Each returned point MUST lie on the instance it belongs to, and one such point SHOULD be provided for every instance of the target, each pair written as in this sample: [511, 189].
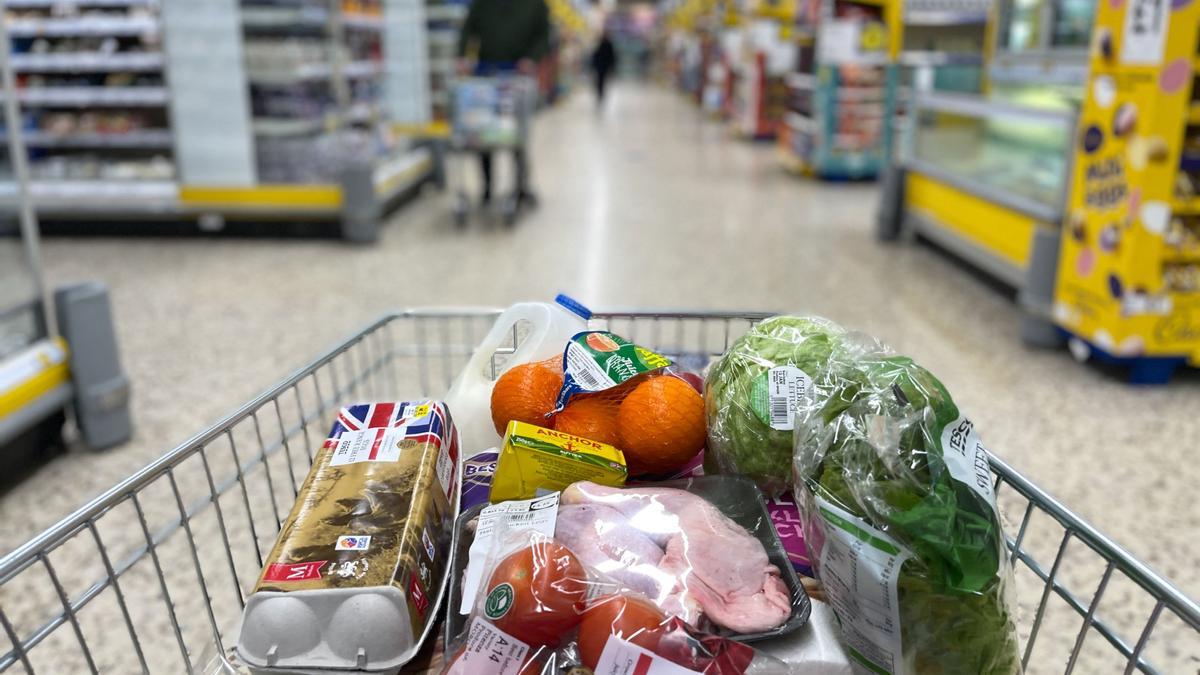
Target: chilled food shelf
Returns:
[87, 62]
[362, 69]
[446, 12]
[800, 123]
[313, 71]
[443, 37]
[282, 126]
[301, 73]
[53, 4]
[94, 189]
[105, 26]
[801, 80]
[936, 17]
[149, 139]
[267, 17]
[361, 21]
[93, 96]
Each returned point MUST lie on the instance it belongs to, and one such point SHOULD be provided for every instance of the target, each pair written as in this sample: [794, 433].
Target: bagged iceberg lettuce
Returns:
[897, 507]
[753, 391]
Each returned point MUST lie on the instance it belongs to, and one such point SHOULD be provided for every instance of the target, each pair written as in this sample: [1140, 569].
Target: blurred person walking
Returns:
[507, 37]
[604, 61]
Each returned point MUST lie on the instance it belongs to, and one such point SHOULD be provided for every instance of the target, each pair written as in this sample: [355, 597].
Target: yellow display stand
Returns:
[1129, 265]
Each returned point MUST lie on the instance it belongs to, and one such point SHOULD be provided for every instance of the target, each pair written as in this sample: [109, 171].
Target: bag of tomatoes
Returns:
[541, 612]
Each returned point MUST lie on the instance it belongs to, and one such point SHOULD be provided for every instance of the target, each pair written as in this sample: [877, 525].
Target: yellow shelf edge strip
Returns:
[303, 196]
[41, 369]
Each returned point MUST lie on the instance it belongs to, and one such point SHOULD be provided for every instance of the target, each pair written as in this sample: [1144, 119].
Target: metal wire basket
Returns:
[152, 575]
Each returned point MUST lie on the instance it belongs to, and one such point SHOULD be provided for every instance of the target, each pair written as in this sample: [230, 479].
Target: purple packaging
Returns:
[477, 472]
[785, 516]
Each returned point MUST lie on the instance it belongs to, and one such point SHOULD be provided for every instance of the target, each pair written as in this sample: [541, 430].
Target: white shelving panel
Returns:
[406, 85]
[77, 120]
[150, 139]
[94, 26]
[83, 97]
[49, 4]
[88, 62]
[201, 117]
[214, 143]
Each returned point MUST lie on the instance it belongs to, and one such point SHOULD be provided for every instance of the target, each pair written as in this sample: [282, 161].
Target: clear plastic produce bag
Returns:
[541, 611]
[899, 514]
[703, 549]
[753, 391]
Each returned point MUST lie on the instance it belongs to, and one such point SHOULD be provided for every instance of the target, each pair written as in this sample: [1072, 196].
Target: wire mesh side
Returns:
[171, 554]
[153, 575]
[1084, 604]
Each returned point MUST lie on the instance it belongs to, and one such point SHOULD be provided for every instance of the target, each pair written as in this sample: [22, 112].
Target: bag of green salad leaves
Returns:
[753, 391]
[898, 511]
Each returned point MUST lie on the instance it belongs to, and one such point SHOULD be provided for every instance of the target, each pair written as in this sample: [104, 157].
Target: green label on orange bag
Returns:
[595, 361]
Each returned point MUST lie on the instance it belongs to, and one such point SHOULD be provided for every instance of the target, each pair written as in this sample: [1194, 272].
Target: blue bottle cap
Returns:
[573, 305]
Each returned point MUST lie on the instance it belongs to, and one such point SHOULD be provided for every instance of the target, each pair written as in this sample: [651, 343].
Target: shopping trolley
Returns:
[152, 575]
[488, 114]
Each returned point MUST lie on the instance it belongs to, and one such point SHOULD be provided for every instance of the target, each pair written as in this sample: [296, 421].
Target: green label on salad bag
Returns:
[597, 360]
[777, 393]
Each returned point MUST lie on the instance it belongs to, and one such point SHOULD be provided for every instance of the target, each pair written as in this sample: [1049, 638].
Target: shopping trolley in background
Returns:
[488, 114]
[153, 574]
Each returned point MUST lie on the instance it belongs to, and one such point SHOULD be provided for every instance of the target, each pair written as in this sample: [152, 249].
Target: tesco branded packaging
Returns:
[702, 549]
[542, 609]
[357, 573]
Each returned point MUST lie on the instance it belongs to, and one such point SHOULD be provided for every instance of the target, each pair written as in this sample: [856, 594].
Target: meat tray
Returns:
[735, 496]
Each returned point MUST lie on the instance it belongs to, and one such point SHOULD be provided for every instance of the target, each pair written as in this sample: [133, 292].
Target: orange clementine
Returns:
[591, 417]
[662, 425]
[525, 393]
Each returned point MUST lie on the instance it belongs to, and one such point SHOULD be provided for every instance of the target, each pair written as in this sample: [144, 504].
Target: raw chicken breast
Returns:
[603, 540]
[716, 563]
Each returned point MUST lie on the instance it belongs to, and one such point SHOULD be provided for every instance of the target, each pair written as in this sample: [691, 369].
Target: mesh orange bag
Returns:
[607, 389]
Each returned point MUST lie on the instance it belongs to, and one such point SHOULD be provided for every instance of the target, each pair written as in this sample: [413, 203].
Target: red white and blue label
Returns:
[353, 543]
[373, 432]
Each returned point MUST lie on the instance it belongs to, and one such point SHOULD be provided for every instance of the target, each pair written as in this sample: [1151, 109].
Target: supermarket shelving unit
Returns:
[843, 90]
[55, 356]
[756, 94]
[308, 93]
[1077, 187]
[93, 102]
[445, 20]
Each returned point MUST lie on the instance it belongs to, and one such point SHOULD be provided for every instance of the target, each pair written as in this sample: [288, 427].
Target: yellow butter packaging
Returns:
[533, 458]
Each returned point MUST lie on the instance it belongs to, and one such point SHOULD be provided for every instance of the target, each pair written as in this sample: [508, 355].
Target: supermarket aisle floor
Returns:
[647, 205]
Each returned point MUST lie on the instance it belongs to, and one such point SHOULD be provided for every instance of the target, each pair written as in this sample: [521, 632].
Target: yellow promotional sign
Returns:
[1129, 265]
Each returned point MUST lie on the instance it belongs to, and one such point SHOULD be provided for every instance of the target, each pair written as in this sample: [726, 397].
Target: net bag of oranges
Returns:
[609, 390]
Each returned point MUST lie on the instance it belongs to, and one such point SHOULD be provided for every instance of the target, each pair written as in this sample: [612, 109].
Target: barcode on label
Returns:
[521, 517]
[587, 379]
[779, 412]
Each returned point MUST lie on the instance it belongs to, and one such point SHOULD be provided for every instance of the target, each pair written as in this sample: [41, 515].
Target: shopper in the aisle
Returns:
[604, 60]
[504, 37]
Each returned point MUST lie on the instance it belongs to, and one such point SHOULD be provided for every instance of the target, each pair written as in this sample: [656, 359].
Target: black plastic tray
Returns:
[735, 496]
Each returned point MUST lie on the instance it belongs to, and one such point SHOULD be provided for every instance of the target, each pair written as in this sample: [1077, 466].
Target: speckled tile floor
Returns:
[647, 205]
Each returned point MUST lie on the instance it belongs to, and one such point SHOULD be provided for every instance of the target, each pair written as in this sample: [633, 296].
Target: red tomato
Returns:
[537, 594]
[620, 615]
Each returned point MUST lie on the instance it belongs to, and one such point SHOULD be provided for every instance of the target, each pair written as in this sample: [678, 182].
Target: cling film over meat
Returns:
[373, 516]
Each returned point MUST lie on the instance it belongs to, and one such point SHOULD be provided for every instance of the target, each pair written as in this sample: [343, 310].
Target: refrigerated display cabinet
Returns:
[1075, 179]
